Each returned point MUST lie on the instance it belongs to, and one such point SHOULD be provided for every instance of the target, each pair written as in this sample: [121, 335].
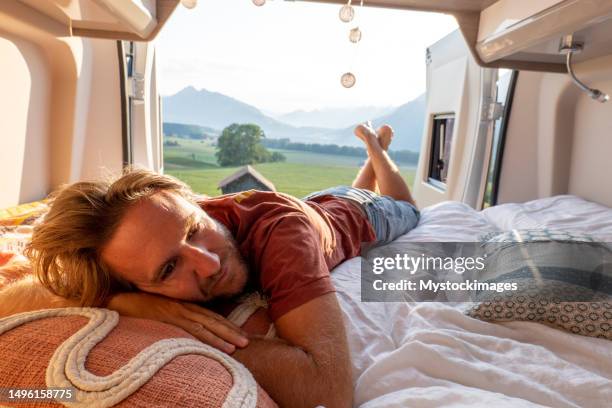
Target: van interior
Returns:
[517, 133]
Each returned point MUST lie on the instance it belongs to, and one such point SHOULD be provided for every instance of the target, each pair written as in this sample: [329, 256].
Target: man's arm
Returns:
[312, 365]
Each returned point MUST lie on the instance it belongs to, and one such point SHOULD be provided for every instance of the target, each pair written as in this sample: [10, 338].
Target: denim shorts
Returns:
[390, 218]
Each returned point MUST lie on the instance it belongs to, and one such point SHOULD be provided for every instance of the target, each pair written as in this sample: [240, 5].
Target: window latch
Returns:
[137, 90]
[495, 111]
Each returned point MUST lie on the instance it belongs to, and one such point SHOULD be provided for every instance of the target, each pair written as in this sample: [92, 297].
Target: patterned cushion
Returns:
[24, 214]
[14, 238]
[534, 304]
[13, 267]
[16, 225]
[530, 235]
[564, 280]
[186, 380]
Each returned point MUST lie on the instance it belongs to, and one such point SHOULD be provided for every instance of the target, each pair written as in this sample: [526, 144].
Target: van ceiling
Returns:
[135, 20]
[423, 5]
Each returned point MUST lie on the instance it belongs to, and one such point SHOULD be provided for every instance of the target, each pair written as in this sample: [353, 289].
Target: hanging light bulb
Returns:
[348, 80]
[259, 3]
[355, 35]
[347, 12]
[189, 3]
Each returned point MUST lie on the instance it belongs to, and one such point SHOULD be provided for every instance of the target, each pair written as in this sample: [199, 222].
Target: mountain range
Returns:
[333, 118]
[215, 110]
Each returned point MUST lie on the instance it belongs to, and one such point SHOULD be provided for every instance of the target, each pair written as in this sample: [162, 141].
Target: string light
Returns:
[347, 12]
[355, 35]
[189, 3]
[348, 80]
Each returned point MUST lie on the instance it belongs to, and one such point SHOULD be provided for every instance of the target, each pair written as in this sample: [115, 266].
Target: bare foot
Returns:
[385, 136]
[365, 132]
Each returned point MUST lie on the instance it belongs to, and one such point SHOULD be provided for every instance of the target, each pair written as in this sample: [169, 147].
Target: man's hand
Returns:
[207, 326]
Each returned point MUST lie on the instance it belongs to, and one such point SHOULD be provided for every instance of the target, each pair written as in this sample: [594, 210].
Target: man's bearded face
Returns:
[166, 245]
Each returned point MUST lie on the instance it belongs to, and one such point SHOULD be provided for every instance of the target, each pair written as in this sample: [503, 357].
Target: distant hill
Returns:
[333, 117]
[214, 111]
[407, 121]
[189, 131]
[210, 109]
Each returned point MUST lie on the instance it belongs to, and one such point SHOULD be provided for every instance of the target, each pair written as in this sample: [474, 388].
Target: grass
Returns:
[198, 153]
[310, 158]
[303, 172]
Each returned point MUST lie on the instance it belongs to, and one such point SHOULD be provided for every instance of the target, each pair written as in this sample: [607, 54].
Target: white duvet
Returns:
[432, 355]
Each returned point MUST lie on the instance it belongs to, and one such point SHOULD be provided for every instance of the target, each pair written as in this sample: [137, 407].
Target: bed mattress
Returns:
[433, 355]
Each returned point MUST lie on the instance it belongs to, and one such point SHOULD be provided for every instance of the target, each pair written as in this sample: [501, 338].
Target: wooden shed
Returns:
[247, 178]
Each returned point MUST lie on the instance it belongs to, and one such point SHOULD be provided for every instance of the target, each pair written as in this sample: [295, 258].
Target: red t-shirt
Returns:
[291, 245]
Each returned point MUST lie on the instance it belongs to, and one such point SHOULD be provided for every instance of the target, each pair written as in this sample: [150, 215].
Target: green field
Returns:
[304, 172]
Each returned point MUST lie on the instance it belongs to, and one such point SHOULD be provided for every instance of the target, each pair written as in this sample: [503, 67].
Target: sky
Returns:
[290, 55]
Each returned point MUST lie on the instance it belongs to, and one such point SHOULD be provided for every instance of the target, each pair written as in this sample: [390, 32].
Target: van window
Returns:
[441, 145]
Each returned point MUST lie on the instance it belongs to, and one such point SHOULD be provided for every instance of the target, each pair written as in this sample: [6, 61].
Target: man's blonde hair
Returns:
[65, 247]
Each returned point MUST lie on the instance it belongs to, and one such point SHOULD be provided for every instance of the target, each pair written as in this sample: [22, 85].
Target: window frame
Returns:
[126, 105]
[434, 140]
[495, 170]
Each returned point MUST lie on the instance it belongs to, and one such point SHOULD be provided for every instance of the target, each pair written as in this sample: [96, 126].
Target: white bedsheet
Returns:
[432, 355]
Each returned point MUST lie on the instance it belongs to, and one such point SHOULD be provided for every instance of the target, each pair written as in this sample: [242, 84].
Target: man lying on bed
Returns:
[149, 231]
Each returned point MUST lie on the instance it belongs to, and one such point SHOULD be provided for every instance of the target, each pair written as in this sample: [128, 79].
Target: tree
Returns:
[241, 144]
[237, 145]
[277, 157]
